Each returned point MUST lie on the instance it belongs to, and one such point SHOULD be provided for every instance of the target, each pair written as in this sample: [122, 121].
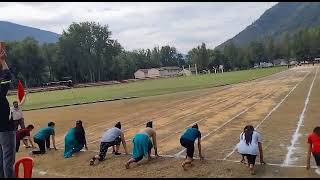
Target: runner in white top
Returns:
[112, 137]
[111, 134]
[250, 146]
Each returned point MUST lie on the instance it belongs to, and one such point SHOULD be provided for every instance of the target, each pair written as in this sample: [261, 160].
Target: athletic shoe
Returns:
[317, 171]
[92, 162]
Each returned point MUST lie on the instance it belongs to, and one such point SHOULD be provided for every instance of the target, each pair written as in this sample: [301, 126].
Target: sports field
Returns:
[141, 88]
[283, 107]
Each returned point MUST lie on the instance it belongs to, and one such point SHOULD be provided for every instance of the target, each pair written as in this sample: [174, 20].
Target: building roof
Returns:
[170, 68]
[143, 70]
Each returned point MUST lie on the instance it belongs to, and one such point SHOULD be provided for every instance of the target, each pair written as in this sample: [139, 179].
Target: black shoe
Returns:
[116, 153]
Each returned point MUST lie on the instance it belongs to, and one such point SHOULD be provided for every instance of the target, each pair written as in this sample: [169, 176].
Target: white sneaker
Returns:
[317, 171]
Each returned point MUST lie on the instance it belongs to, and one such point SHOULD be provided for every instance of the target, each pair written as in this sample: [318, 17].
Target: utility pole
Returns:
[183, 72]
[195, 66]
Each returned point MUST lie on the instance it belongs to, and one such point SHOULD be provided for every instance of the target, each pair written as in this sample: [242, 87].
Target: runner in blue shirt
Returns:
[42, 138]
[187, 140]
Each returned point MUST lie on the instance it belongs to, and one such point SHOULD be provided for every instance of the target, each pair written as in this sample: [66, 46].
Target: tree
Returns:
[50, 55]
[231, 54]
[87, 50]
[123, 66]
[285, 46]
[27, 62]
[270, 49]
[199, 56]
[169, 56]
[257, 52]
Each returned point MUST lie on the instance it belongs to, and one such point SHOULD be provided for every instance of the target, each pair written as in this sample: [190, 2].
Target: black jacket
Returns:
[6, 124]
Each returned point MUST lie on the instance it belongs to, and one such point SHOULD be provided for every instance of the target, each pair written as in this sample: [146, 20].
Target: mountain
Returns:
[282, 17]
[15, 32]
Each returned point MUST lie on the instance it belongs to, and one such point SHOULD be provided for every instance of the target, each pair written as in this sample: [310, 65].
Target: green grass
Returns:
[141, 88]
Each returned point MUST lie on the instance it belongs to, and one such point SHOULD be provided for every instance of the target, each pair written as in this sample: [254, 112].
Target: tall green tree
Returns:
[87, 50]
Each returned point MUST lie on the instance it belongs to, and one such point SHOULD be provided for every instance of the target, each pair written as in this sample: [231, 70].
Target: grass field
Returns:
[142, 88]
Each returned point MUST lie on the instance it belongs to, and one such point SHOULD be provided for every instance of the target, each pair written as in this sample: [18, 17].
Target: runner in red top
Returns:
[314, 147]
[22, 134]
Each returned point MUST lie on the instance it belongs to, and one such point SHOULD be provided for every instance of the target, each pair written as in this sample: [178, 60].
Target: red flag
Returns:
[21, 93]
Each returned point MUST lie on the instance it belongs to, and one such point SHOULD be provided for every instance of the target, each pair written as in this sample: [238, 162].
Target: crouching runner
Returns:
[75, 140]
[142, 144]
[187, 140]
[112, 137]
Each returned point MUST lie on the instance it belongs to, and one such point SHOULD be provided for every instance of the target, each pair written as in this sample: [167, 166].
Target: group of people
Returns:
[250, 145]
[75, 141]
[144, 141]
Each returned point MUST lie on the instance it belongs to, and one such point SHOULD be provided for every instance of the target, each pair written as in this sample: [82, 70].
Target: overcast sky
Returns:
[144, 24]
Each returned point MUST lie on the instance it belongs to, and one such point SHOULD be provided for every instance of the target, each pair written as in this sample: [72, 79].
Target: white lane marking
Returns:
[227, 122]
[174, 156]
[274, 109]
[295, 137]
[210, 106]
[157, 113]
[200, 120]
[226, 87]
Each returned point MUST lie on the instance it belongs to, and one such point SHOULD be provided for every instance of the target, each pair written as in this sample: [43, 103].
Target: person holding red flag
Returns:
[16, 112]
[7, 133]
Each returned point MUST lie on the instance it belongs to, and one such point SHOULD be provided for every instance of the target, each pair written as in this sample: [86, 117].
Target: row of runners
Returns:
[249, 146]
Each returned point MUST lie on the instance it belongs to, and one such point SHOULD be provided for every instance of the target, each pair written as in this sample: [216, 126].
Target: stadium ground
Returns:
[280, 106]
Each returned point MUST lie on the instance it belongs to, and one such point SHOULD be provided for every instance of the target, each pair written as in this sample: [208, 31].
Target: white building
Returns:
[147, 73]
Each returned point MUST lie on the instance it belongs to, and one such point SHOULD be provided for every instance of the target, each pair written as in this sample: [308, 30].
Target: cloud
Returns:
[144, 24]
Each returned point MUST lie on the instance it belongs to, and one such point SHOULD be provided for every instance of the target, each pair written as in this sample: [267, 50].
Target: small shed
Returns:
[141, 74]
[147, 73]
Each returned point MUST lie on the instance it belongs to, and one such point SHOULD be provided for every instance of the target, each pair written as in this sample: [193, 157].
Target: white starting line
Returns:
[182, 157]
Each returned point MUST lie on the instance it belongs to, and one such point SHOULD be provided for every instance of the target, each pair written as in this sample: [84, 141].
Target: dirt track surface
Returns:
[221, 114]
